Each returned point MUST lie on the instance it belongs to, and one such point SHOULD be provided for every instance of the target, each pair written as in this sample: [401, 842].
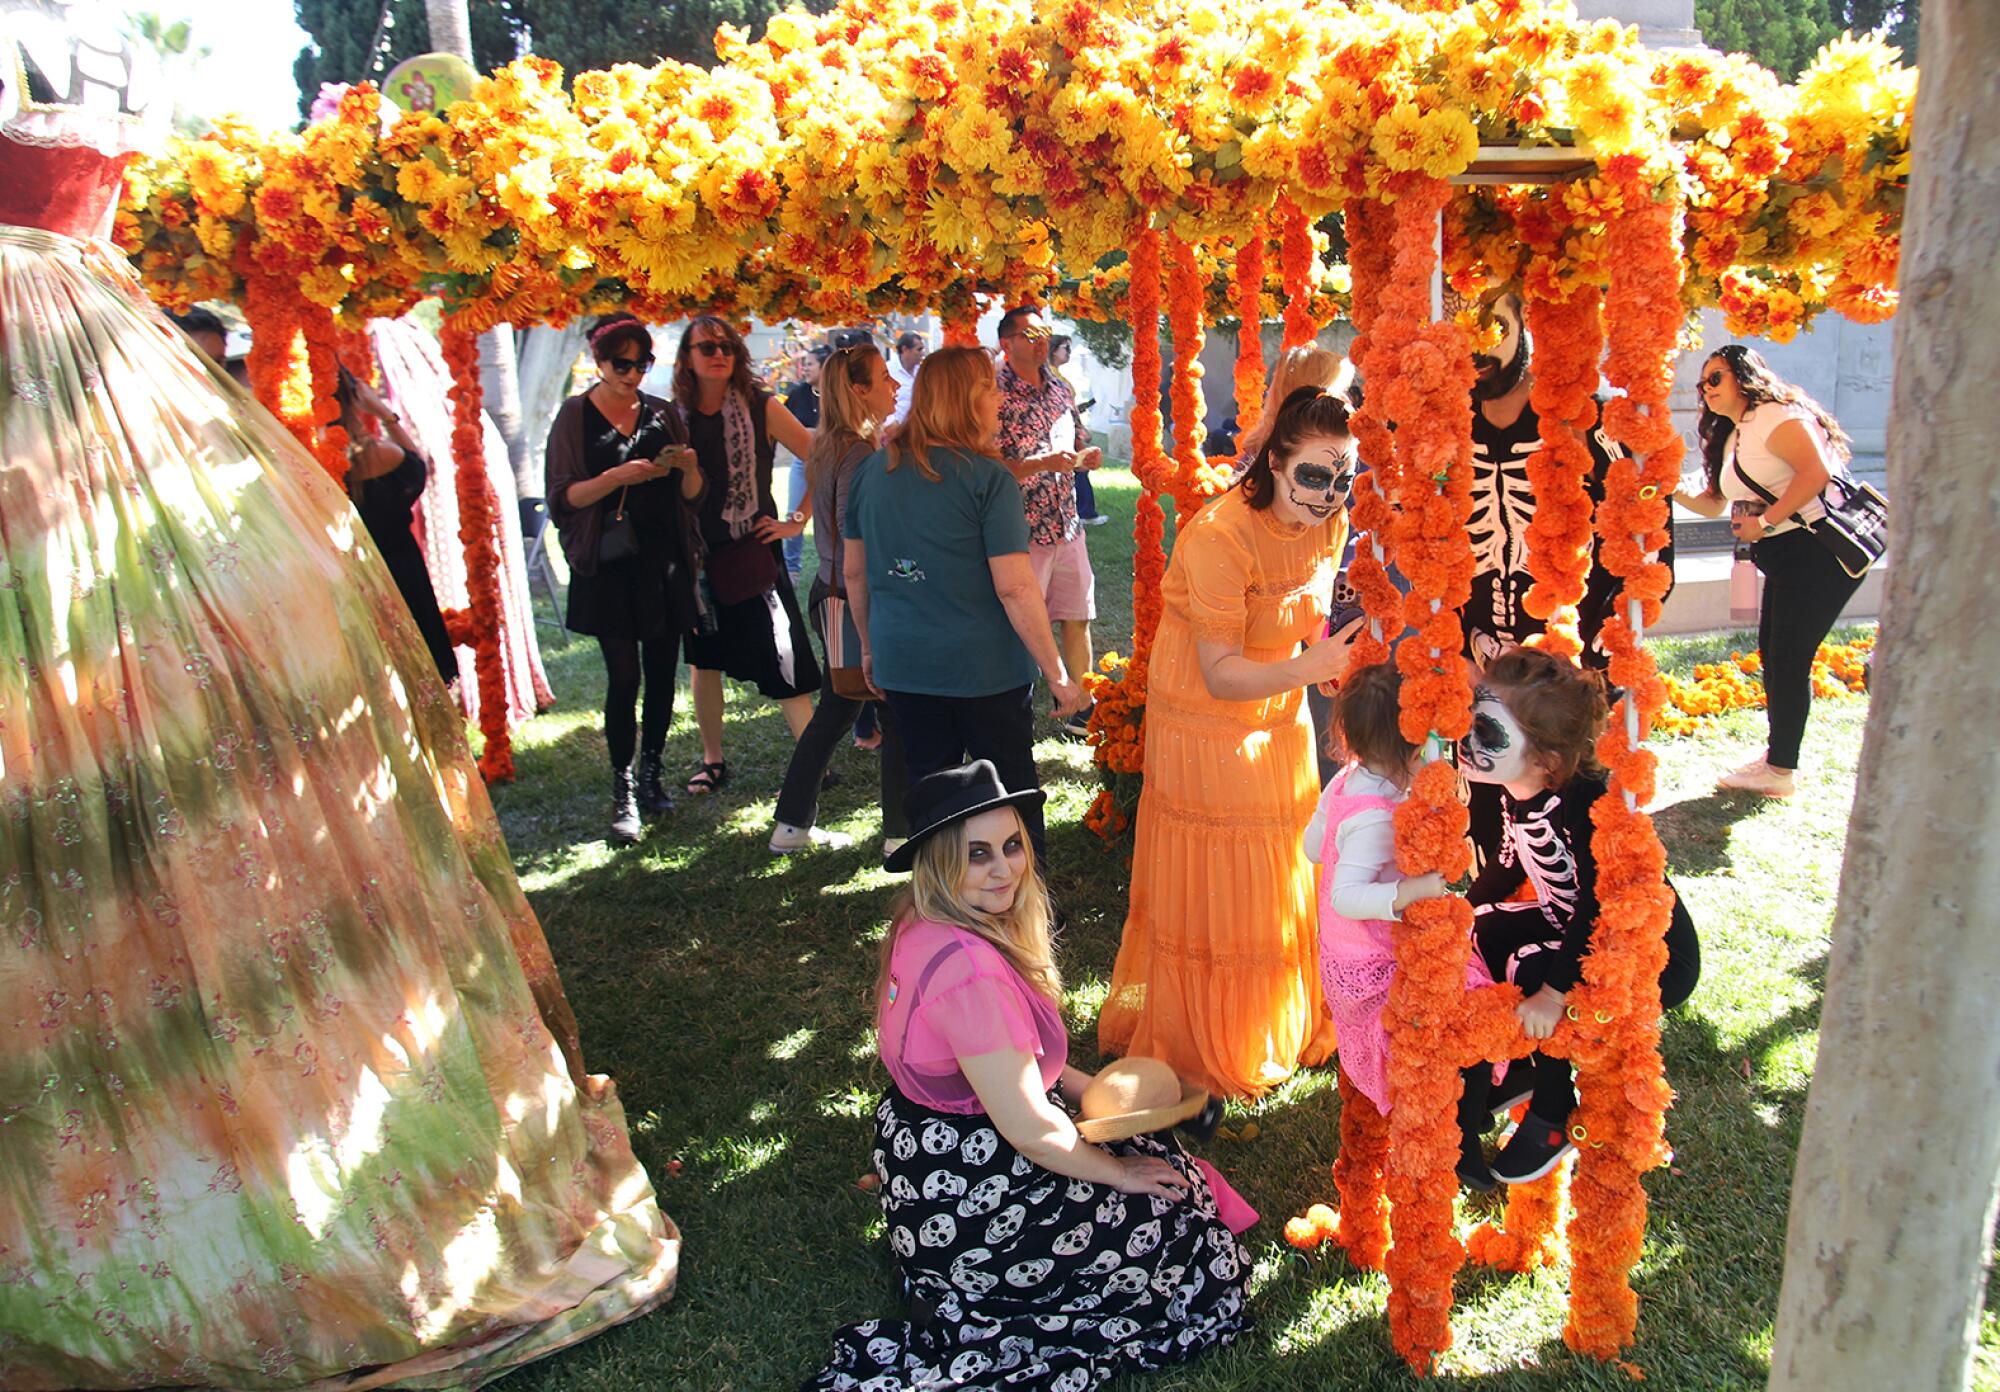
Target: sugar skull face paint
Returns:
[1495, 750]
[1317, 477]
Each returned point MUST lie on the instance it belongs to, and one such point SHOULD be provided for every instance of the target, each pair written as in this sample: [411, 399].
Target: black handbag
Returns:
[620, 539]
[1855, 529]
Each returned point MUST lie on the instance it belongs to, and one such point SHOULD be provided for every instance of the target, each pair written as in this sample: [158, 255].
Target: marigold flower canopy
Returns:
[904, 154]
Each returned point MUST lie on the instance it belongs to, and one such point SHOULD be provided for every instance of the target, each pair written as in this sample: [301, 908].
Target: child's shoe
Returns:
[1536, 1147]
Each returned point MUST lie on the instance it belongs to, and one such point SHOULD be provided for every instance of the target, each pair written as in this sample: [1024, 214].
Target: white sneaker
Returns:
[786, 838]
[1759, 777]
[1752, 765]
[893, 844]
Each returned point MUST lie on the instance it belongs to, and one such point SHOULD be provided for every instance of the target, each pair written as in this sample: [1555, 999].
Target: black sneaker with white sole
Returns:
[1517, 1087]
[1536, 1147]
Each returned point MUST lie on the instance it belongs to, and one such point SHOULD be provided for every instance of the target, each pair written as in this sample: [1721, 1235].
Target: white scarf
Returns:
[739, 439]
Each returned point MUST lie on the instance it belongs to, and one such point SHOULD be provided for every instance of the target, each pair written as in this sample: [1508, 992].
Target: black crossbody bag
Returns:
[1856, 526]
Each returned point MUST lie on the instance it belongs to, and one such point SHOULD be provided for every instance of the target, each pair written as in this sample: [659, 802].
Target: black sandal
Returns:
[707, 778]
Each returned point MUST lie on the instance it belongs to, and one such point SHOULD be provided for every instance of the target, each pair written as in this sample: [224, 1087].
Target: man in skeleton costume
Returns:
[1505, 433]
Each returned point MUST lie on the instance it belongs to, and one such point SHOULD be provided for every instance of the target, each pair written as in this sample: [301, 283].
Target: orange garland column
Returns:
[1150, 463]
[478, 625]
[322, 341]
[280, 373]
[1622, 1096]
[1185, 293]
[1295, 264]
[1249, 285]
[1424, 381]
[1569, 341]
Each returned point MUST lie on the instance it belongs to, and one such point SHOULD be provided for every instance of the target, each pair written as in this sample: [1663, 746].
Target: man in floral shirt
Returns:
[1038, 438]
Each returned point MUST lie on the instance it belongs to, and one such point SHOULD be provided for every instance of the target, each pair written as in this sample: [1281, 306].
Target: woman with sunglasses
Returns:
[1218, 970]
[620, 483]
[856, 394]
[1769, 451]
[753, 631]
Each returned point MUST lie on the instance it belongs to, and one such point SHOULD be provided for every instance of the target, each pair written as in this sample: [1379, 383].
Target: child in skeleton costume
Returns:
[1505, 433]
[1535, 723]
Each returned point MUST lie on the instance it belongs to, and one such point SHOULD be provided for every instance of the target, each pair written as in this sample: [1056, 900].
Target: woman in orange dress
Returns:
[1218, 970]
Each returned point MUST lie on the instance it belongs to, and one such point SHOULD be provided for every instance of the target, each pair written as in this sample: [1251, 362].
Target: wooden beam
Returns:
[1540, 164]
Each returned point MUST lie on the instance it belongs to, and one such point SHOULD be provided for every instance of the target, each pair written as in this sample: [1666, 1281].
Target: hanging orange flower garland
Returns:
[1569, 341]
[280, 374]
[1422, 373]
[1250, 378]
[478, 624]
[1193, 481]
[1371, 253]
[1295, 265]
[1622, 1095]
[1119, 690]
[329, 438]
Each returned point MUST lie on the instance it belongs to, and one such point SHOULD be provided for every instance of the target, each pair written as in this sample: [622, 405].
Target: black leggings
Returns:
[1805, 589]
[626, 660]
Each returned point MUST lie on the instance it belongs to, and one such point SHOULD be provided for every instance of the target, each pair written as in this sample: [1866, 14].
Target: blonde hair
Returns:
[844, 421]
[1308, 365]
[1022, 934]
[943, 413]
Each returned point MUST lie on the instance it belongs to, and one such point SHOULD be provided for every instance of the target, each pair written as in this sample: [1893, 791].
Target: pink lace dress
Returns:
[1357, 957]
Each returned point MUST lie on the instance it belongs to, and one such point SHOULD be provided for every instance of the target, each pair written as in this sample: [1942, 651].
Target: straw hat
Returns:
[1134, 1096]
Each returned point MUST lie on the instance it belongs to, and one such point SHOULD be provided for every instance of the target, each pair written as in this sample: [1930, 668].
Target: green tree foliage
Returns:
[341, 31]
[585, 34]
[1784, 35]
[578, 34]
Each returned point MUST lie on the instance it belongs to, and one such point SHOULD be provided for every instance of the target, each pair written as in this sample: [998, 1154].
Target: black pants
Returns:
[1805, 589]
[626, 661]
[1507, 940]
[833, 717]
[941, 732]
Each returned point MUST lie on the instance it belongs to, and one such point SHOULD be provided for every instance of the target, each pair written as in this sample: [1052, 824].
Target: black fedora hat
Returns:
[951, 795]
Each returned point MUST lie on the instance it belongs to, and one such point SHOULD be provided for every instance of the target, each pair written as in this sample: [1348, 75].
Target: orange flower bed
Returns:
[1839, 670]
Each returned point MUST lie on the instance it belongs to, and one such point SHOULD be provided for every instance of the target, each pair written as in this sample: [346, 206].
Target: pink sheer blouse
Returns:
[952, 995]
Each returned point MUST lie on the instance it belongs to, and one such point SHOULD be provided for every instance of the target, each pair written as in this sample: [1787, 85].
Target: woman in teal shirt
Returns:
[953, 628]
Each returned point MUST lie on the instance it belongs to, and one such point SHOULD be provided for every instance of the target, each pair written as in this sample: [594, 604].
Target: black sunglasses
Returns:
[714, 348]
[631, 364]
[1714, 379]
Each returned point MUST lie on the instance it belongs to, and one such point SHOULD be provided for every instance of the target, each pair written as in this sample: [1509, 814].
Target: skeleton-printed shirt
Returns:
[1503, 505]
[1545, 844]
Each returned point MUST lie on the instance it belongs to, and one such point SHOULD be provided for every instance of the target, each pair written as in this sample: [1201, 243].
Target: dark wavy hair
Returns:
[1306, 413]
[1560, 707]
[1367, 719]
[1759, 385]
[743, 381]
[613, 331]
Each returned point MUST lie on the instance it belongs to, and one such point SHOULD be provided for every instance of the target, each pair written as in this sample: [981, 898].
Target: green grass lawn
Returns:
[727, 991]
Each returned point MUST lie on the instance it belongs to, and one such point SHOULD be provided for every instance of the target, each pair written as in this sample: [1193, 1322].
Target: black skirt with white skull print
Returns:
[1022, 1278]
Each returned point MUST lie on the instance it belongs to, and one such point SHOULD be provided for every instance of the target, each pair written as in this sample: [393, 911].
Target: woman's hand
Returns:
[1748, 526]
[1089, 458]
[636, 471]
[370, 403]
[1541, 1013]
[868, 673]
[1146, 1174]
[771, 529]
[1324, 661]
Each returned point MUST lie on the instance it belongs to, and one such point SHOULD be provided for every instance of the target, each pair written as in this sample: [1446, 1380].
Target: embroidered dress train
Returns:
[290, 1094]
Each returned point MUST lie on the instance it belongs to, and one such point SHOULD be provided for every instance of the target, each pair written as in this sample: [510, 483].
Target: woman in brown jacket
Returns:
[620, 481]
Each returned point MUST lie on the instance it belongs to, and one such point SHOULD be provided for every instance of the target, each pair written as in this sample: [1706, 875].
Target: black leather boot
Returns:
[624, 808]
[654, 799]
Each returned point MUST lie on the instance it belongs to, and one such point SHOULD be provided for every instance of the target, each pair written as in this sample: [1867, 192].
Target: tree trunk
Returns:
[451, 27]
[1893, 1201]
[546, 358]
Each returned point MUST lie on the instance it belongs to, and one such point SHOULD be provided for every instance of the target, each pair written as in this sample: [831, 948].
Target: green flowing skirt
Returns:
[289, 1091]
